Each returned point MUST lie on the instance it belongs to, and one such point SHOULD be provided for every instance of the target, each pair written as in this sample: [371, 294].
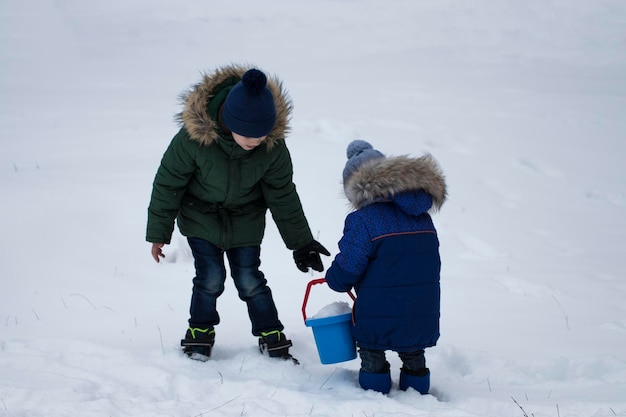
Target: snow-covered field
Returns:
[522, 102]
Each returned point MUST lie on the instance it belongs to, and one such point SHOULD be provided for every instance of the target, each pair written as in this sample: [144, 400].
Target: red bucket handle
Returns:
[308, 290]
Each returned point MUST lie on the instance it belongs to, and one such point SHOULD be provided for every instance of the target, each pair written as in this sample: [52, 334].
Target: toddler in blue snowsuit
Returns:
[389, 254]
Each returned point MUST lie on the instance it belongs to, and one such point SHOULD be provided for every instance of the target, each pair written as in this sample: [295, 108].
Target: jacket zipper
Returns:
[227, 229]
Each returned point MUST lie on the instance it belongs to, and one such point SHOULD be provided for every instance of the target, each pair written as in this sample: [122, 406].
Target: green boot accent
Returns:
[204, 333]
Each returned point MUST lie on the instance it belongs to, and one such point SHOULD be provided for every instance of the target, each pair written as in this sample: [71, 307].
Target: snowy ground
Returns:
[522, 103]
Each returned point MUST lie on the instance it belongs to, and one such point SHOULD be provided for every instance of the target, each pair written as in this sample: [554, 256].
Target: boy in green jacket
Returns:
[226, 166]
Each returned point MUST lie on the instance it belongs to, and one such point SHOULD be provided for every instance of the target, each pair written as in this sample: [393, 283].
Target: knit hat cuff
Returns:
[254, 129]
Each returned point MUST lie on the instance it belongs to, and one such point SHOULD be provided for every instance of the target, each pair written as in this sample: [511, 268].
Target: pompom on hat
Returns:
[359, 152]
[249, 108]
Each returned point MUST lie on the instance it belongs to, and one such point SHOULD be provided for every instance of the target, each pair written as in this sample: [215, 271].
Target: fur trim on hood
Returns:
[382, 178]
[199, 124]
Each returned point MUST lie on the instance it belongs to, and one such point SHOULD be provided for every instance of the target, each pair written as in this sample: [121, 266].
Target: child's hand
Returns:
[157, 252]
[309, 256]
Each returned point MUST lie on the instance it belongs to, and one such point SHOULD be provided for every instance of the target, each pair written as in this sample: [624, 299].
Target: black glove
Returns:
[309, 256]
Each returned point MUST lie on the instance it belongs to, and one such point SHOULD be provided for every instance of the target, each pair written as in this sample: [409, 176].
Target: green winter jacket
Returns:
[215, 189]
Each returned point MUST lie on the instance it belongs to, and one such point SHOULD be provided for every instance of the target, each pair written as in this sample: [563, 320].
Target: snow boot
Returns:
[418, 380]
[198, 343]
[276, 345]
[377, 381]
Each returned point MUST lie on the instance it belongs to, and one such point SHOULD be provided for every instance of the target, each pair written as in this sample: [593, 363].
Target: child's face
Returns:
[248, 143]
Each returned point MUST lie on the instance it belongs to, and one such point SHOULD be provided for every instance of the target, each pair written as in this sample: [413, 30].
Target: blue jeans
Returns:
[251, 285]
[375, 361]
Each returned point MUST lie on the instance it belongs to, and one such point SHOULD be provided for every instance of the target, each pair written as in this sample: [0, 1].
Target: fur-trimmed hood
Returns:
[203, 127]
[381, 179]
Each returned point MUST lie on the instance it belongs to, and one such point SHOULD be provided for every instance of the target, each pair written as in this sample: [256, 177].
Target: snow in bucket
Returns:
[332, 330]
[338, 308]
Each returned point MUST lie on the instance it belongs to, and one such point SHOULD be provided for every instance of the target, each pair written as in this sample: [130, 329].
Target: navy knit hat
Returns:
[359, 152]
[249, 108]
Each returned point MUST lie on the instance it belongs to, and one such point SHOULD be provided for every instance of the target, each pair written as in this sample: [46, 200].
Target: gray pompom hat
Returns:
[358, 152]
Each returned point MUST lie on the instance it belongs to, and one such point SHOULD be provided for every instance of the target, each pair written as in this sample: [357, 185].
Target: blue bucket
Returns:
[333, 334]
[333, 337]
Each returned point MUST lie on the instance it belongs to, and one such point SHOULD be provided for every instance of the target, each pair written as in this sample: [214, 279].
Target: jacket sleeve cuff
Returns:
[339, 279]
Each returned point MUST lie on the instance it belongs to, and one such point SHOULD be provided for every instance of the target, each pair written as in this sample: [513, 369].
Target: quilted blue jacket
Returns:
[389, 253]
